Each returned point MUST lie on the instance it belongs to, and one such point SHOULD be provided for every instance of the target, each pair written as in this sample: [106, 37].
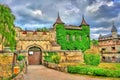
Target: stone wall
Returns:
[110, 57]
[70, 56]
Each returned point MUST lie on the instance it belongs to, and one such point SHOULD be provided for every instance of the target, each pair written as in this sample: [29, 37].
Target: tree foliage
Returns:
[77, 44]
[94, 42]
[42, 29]
[7, 27]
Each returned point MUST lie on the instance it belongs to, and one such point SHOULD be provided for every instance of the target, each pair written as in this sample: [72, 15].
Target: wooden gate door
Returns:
[34, 56]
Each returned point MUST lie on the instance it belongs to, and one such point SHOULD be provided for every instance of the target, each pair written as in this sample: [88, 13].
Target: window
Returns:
[80, 38]
[113, 59]
[113, 48]
[73, 38]
[68, 37]
[103, 49]
[103, 58]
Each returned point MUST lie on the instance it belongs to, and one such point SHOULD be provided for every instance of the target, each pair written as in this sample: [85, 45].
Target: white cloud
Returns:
[96, 29]
[105, 20]
[37, 12]
[94, 36]
[109, 3]
[34, 26]
[95, 6]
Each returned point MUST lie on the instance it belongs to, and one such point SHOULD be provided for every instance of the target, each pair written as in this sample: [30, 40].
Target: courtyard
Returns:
[39, 72]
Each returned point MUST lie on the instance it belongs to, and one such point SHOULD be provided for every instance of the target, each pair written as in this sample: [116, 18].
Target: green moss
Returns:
[71, 44]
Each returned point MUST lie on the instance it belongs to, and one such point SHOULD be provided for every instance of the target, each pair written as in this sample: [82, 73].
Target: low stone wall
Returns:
[69, 55]
[20, 76]
[55, 66]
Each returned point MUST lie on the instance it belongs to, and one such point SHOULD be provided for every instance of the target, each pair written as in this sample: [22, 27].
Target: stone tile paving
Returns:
[39, 72]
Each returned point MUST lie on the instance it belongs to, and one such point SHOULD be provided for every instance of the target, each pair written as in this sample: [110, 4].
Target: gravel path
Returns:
[39, 72]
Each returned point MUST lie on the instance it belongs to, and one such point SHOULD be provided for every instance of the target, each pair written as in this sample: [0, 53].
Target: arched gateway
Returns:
[34, 55]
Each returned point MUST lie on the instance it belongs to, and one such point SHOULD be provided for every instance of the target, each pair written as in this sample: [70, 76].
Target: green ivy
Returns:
[78, 44]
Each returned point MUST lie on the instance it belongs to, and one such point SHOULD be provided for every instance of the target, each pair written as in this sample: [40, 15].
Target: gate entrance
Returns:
[34, 56]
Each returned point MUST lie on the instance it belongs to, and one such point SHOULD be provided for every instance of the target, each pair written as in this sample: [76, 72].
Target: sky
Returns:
[99, 14]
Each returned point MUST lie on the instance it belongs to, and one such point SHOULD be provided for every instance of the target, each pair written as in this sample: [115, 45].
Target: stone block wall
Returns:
[113, 57]
[69, 56]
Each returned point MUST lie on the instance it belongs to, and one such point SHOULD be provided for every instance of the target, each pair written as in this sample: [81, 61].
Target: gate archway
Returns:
[34, 55]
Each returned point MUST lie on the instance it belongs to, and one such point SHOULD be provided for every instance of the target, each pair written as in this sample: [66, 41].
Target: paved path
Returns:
[39, 72]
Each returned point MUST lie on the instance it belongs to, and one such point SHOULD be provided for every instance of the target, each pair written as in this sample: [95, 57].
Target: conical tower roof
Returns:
[84, 22]
[58, 20]
[114, 29]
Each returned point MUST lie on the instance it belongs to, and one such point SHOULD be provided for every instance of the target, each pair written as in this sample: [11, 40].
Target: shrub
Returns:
[20, 57]
[91, 57]
[52, 57]
[93, 71]
[56, 59]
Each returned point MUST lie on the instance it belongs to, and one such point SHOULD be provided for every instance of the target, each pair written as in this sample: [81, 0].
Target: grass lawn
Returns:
[111, 66]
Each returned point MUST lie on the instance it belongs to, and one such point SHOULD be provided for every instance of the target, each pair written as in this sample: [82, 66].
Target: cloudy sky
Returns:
[99, 14]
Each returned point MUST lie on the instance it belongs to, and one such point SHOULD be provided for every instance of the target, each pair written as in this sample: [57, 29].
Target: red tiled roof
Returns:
[34, 33]
[24, 32]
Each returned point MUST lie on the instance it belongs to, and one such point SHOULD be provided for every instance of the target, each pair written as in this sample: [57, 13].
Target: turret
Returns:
[58, 20]
[114, 31]
[84, 22]
[100, 36]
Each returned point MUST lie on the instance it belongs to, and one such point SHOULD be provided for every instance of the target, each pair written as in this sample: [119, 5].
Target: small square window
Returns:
[113, 48]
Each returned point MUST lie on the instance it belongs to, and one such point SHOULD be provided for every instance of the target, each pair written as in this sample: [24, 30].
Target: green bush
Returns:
[51, 57]
[20, 57]
[91, 58]
[90, 70]
[56, 59]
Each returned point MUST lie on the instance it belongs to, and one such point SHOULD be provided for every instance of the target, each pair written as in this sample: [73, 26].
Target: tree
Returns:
[94, 42]
[7, 30]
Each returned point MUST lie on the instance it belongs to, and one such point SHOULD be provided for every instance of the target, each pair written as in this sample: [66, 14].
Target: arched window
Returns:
[113, 59]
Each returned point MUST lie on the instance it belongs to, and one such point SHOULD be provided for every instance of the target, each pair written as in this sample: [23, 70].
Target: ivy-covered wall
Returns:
[81, 42]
